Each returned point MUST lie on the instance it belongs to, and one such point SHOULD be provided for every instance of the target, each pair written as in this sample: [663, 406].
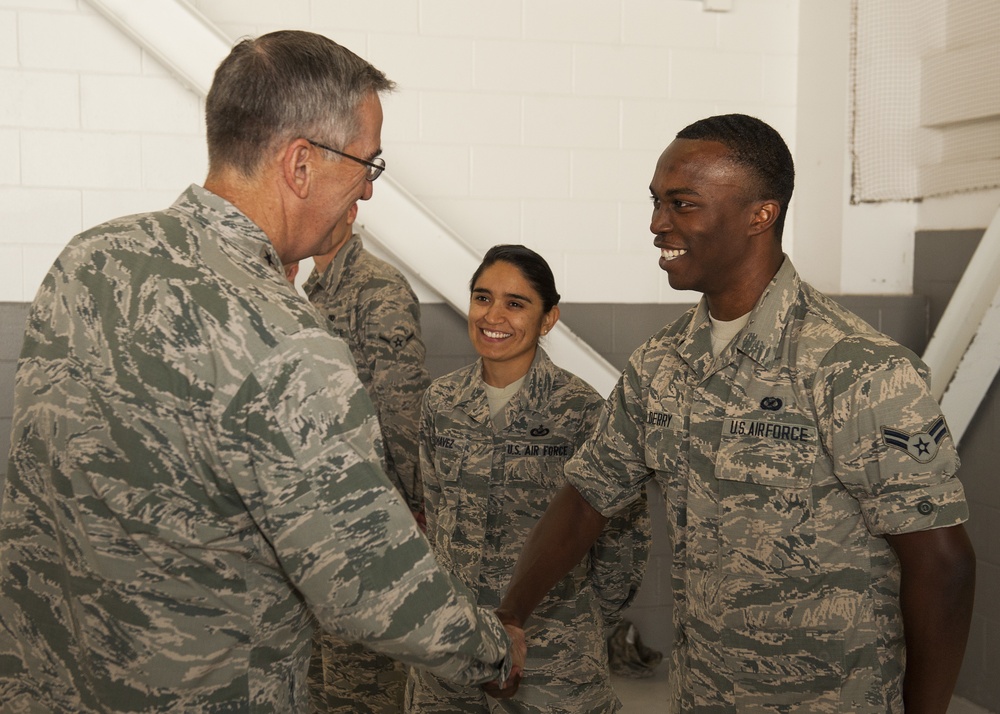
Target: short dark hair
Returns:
[532, 266]
[756, 146]
[280, 86]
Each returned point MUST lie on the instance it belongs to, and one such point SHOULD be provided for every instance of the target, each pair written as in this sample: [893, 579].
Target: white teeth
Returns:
[671, 254]
[495, 335]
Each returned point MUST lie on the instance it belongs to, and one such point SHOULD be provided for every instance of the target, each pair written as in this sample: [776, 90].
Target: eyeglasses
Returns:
[375, 167]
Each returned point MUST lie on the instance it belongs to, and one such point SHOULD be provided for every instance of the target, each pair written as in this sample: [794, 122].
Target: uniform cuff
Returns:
[899, 512]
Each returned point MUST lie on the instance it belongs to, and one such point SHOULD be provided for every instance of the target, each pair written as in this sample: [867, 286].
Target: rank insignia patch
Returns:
[922, 446]
[398, 338]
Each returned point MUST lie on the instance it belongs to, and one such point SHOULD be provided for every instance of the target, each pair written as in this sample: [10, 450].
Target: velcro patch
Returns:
[397, 338]
[922, 446]
[769, 430]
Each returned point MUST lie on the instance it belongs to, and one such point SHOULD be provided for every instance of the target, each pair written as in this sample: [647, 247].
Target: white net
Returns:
[925, 98]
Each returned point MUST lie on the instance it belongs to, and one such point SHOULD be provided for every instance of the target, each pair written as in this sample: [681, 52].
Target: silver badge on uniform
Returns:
[922, 446]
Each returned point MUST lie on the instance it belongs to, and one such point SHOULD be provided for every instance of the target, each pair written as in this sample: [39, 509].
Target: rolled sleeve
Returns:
[891, 445]
[610, 469]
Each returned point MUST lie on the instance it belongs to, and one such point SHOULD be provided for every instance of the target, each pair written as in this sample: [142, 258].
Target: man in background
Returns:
[819, 561]
[370, 304]
[194, 479]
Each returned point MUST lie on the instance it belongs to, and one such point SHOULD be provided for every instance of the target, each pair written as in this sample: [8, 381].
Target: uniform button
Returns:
[925, 507]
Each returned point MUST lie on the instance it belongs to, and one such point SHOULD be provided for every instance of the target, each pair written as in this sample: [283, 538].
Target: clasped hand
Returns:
[518, 652]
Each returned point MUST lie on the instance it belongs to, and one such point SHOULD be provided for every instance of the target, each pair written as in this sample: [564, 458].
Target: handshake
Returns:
[518, 652]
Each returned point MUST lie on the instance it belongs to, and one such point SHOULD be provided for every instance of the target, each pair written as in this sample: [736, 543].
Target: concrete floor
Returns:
[646, 696]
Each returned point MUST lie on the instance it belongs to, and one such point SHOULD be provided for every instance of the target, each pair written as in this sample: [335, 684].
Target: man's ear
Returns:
[297, 167]
[764, 215]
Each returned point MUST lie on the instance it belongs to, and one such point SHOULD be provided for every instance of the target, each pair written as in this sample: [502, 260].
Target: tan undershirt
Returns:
[723, 331]
[499, 397]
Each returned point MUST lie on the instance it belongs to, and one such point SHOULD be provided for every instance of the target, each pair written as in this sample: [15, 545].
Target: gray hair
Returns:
[281, 86]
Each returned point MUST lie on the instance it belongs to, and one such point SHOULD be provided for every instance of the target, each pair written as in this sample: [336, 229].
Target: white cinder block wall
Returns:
[534, 121]
[515, 121]
[90, 128]
[540, 122]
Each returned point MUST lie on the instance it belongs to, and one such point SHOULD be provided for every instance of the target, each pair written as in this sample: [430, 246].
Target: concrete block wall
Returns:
[91, 127]
[532, 121]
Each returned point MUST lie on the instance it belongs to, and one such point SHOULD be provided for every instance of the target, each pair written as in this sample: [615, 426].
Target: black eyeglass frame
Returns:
[375, 167]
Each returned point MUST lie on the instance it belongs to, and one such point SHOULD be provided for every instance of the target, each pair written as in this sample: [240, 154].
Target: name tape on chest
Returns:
[664, 420]
[443, 442]
[772, 430]
[517, 448]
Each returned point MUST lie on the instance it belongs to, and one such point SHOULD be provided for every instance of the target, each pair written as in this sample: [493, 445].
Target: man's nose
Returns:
[660, 221]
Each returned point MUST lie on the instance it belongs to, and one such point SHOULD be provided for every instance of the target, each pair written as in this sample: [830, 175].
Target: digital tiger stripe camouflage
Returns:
[485, 488]
[780, 481]
[194, 483]
[370, 304]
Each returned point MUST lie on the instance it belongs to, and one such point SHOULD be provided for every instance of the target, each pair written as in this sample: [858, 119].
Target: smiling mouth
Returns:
[493, 335]
[671, 254]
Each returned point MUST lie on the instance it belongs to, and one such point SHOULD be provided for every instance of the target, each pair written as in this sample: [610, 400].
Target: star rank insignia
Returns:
[397, 338]
[922, 446]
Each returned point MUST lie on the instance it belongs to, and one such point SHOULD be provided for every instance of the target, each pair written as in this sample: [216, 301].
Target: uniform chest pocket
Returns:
[764, 473]
[533, 473]
[444, 488]
[449, 453]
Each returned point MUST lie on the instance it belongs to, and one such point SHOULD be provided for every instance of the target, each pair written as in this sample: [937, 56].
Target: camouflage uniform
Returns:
[371, 306]
[485, 488]
[783, 462]
[193, 479]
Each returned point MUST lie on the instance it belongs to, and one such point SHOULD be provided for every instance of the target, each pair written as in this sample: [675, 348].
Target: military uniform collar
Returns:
[471, 398]
[230, 223]
[330, 279]
[760, 340]
[537, 385]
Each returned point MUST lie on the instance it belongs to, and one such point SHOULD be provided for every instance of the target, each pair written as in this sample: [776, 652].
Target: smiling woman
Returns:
[509, 310]
[494, 438]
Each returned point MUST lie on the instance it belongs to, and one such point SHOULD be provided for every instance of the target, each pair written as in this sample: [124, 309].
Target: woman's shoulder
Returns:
[453, 384]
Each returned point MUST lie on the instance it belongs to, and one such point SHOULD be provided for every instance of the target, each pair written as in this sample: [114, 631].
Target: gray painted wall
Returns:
[615, 330]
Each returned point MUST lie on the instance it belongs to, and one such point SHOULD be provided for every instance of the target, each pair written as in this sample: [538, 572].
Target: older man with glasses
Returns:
[194, 479]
